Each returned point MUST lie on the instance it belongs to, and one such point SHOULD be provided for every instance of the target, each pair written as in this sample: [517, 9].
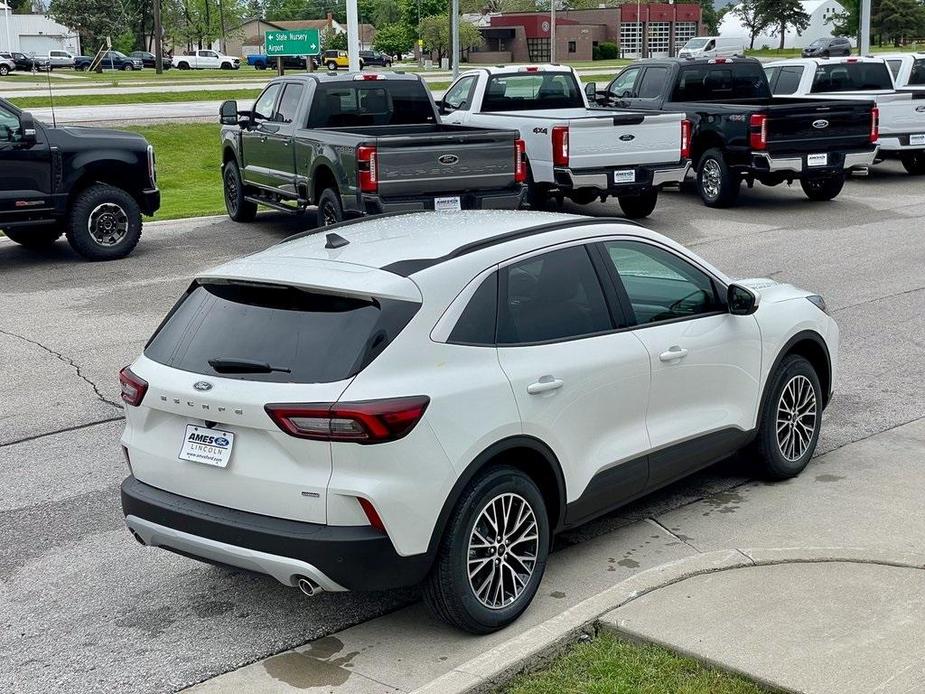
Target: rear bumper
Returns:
[507, 199]
[646, 176]
[337, 558]
[837, 161]
[150, 201]
[902, 142]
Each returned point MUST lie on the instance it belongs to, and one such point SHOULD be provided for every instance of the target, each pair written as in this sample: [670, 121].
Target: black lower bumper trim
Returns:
[356, 557]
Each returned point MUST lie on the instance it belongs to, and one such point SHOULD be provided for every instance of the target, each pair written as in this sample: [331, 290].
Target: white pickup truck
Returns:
[205, 59]
[901, 112]
[908, 70]
[573, 151]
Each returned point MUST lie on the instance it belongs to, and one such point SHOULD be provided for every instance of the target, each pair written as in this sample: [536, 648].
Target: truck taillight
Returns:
[874, 124]
[685, 139]
[367, 169]
[520, 161]
[367, 421]
[133, 387]
[758, 131]
[560, 145]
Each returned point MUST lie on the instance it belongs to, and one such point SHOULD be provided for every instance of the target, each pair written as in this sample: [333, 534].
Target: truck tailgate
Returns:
[822, 126]
[445, 162]
[624, 138]
[902, 113]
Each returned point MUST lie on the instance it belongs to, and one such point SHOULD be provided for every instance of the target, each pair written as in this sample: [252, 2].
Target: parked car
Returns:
[335, 59]
[361, 144]
[6, 66]
[375, 58]
[712, 47]
[26, 62]
[58, 59]
[91, 184]
[206, 60]
[908, 70]
[290, 62]
[901, 113]
[574, 151]
[741, 132]
[827, 47]
[148, 59]
[429, 398]
[109, 60]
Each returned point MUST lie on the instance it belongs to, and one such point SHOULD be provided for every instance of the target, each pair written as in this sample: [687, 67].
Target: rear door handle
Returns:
[673, 354]
[544, 385]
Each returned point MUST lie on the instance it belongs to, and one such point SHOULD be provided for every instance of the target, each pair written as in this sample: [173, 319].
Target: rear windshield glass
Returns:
[850, 77]
[721, 82]
[531, 90]
[339, 105]
[304, 337]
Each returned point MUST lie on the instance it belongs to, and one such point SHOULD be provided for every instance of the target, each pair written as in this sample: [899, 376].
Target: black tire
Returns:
[537, 197]
[39, 237]
[260, 66]
[330, 210]
[332, 65]
[638, 206]
[183, 66]
[770, 452]
[584, 196]
[127, 68]
[447, 589]
[226, 66]
[104, 223]
[913, 162]
[239, 209]
[717, 185]
[822, 189]
[4, 70]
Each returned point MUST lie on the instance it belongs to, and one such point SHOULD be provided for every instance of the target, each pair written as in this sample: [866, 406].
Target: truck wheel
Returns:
[717, 185]
[239, 209]
[260, 66]
[914, 162]
[104, 223]
[821, 189]
[329, 208]
[638, 206]
[226, 66]
[34, 238]
[332, 65]
[183, 66]
[493, 553]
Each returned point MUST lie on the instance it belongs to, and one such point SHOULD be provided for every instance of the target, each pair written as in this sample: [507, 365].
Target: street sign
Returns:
[300, 42]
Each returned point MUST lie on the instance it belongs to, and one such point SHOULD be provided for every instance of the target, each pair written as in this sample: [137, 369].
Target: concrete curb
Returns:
[545, 640]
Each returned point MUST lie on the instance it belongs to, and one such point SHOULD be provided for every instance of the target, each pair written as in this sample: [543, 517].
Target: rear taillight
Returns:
[520, 161]
[560, 145]
[874, 124]
[133, 388]
[368, 421]
[685, 139]
[152, 167]
[372, 515]
[758, 131]
[367, 169]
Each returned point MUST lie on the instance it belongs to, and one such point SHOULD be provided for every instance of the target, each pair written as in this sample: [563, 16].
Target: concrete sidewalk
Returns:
[814, 584]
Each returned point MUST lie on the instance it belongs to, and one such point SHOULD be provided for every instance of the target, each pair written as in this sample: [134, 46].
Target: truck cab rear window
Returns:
[851, 77]
[302, 336]
[531, 90]
[721, 82]
[340, 105]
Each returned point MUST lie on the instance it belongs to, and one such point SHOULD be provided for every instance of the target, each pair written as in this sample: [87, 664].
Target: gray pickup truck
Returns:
[367, 143]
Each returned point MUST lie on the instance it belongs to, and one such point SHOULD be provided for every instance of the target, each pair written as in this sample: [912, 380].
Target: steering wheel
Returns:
[676, 306]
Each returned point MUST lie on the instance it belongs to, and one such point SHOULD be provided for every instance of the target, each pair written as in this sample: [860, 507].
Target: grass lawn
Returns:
[109, 99]
[188, 174]
[608, 665]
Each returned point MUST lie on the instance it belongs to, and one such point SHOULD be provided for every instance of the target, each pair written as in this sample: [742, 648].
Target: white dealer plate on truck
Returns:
[917, 139]
[209, 446]
[817, 159]
[624, 176]
[447, 204]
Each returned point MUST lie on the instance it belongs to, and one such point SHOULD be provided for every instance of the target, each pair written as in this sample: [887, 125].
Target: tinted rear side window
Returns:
[720, 82]
[849, 77]
[340, 104]
[309, 337]
[476, 325]
[789, 80]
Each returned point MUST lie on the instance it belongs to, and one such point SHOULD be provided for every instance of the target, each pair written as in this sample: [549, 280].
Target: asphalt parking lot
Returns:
[84, 608]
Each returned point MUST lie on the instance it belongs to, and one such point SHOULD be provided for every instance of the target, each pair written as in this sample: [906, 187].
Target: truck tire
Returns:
[34, 238]
[239, 209]
[638, 206]
[260, 65]
[332, 65]
[914, 162]
[104, 223]
[717, 184]
[226, 66]
[330, 210]
[183, 65]
[822, 189]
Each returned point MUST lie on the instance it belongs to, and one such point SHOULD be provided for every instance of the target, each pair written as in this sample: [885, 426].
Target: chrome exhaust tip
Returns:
[308, 586]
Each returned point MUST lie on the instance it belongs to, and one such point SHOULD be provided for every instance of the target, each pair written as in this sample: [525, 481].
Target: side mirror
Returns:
[741, 300]
[591, 91]
[27, 128]
[228, 112]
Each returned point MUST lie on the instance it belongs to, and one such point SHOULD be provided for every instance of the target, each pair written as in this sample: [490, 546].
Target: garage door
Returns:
[39, 45]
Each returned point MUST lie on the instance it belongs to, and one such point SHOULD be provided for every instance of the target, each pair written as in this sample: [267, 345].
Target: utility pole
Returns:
[552, 31]
[158, 39]
[353, 35]
[864, 46]
[221, 23]
[454, 35]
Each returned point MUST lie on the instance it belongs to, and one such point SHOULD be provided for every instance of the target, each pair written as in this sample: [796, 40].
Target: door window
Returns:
[263, 107]
[476, 325]
[286, 111]
[554, 296]
[458, 96]
[661, 286]
[624, 82]
[788, 80]
[653, 80]
[9, 127]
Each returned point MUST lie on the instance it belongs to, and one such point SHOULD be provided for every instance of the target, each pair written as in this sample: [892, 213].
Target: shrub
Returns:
[605, 51]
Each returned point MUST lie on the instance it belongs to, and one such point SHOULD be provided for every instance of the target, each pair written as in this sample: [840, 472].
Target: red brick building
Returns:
[660, 30]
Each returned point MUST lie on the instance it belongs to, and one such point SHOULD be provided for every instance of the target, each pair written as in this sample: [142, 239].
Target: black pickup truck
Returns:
[741, 132]
[361, 143]
[88, 183]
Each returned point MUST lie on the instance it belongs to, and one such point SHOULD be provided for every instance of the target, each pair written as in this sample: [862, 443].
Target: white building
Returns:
[34, 33]
[821, 13]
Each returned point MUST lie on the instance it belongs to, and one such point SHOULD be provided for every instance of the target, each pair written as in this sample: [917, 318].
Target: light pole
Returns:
[353, 35]
[552, 31]
[864, 46]
[454, 29]
[158, 39]
[9, 18]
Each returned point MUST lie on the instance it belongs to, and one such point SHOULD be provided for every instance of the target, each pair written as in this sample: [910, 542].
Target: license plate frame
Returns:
[813, 160]
[448, 203]
[206, 446]
[918, 139]
[623, 176]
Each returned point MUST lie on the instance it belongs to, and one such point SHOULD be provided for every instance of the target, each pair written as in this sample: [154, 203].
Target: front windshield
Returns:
[696, 43]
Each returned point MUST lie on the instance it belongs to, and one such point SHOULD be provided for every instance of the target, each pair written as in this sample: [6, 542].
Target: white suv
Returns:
[430, 397]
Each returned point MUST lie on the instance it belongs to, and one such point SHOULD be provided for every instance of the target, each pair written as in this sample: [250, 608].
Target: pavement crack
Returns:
[77, 427]
[69, 362]
[680, 538]
[876, 299]
[747, 556]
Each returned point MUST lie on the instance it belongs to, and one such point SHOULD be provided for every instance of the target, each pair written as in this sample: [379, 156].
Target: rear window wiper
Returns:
[244, 366]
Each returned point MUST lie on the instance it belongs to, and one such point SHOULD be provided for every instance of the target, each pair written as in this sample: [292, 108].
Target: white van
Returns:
[712, 47]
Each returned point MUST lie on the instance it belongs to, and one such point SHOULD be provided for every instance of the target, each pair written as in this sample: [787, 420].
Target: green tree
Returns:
[750, 14]
[332, 41]
[408, 12]
[393, 39]
[435, 32]
[784, 14]
[379, 13]
[847, 23]
[94, 20]
[710, 16]
[895, 20]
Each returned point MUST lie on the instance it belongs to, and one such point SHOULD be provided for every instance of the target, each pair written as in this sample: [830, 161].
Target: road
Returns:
[84, 608]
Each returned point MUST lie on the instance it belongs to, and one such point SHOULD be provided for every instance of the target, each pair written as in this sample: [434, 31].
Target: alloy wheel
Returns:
[107, 224]
[796, 418]
[712, 178]
[329, 214]
[231, 192]
[503, 548]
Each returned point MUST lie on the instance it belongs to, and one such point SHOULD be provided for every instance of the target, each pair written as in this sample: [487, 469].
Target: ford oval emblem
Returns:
[202, 386]
[448, 159]
[920, 109]
[627, 138]
[820, 124]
